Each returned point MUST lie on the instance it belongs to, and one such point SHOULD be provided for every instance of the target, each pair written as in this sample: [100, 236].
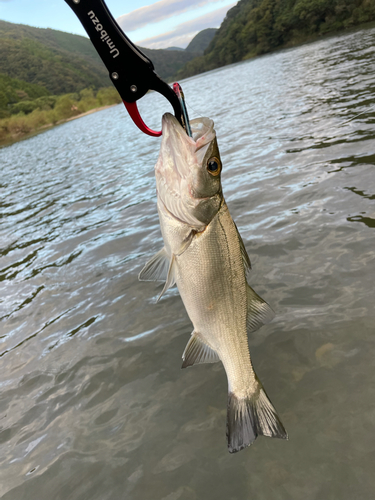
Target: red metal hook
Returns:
[137, 119]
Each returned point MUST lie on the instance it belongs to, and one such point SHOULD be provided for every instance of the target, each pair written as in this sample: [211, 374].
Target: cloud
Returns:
[157, 12]
[184, 32]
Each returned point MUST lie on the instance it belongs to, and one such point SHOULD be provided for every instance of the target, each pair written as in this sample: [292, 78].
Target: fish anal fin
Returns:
[156, 268]
[170, 281]
[250, 417]
[198, 351]
[259, 313]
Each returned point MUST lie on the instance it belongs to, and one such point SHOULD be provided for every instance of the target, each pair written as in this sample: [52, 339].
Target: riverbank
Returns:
[68, 107]
[19, 136]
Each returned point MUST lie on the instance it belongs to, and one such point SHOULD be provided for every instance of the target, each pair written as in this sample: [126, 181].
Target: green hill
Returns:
[58, 61]
[168, 62]
[14, 91]
[254, 27]
[201, 41]
[47, 76]
[63, 63]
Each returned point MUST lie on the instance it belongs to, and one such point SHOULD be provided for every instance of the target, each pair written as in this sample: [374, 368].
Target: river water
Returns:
[93, 402]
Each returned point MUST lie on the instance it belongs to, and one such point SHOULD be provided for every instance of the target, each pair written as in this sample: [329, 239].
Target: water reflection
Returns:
[93, 402]
[361, 193]
[365, 220]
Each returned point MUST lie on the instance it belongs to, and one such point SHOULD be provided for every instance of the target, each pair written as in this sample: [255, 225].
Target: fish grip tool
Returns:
[130, 70]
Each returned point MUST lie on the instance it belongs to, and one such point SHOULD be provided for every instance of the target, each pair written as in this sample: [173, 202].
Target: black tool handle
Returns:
[128, 67]
[131, 72]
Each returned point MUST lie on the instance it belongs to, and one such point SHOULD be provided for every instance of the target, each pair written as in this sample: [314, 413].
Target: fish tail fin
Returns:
[250, 417]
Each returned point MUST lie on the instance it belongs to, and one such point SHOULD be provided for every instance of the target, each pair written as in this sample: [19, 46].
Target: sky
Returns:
[148, 23]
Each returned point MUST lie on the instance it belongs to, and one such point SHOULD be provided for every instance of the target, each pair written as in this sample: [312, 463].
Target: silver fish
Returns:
[205, 256]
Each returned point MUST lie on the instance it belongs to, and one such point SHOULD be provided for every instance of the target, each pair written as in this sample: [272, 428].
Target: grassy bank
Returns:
[32, 116]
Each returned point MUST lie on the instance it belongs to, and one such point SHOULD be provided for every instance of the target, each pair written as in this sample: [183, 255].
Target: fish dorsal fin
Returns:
[197, 351]
[259, 312]
[171, 280]
[244, 255]
[156, 268]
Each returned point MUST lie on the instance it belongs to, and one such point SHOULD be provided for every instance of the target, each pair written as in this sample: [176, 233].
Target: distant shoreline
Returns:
[94, 110]
[13, 138]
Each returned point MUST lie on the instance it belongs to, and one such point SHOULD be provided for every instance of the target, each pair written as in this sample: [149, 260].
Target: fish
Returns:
[204, 255]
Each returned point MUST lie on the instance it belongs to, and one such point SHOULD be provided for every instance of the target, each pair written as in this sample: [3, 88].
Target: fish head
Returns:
[188, 171]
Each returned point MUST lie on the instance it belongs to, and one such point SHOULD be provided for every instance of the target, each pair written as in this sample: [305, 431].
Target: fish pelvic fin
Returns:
[250, 417]
[259, 313]
[198, 351]
[156, 268]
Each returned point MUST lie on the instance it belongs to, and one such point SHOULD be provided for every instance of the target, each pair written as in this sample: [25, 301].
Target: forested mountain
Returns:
[13, 90]
[36, 63]
[254, 27]
[47, 76]
[58, 61]
[168, 62]
[201, 41]
[62, 62]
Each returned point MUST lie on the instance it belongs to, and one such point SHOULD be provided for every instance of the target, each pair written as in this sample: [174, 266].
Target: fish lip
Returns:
[202, 129]
[169, 118]
[170, 123]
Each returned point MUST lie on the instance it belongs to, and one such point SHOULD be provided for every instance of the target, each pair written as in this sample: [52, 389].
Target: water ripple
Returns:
[93, 402]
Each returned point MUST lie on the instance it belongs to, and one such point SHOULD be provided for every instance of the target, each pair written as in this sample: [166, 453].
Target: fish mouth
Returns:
[184, 153]
[202, 130]
[179, 167]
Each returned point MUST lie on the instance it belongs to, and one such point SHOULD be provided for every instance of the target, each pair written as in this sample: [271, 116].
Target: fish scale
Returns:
[211, 281]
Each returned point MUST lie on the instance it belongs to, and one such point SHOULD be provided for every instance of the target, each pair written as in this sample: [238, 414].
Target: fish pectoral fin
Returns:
[198, 351]
[186, 242]
[156, 268]
[259, 312]
[171, 280]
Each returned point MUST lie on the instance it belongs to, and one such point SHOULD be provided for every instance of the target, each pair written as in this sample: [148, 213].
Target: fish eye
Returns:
[214, 166]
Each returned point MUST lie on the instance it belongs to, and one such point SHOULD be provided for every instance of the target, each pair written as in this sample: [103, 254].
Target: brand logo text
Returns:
[103, 34]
